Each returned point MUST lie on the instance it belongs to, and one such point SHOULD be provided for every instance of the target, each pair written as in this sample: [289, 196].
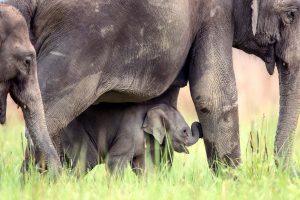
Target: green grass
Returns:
[190, 178]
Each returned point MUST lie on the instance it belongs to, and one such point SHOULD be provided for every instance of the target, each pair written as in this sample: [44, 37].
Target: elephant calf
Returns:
[122, 136]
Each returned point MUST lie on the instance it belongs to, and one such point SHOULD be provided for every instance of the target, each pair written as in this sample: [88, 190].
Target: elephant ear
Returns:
[156, 123]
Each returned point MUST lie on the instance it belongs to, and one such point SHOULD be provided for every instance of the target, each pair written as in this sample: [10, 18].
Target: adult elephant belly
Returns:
[94, 51]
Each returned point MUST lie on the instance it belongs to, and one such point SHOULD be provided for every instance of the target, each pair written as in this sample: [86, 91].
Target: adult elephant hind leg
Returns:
[71, 101]
[214, 92]
[67, 102]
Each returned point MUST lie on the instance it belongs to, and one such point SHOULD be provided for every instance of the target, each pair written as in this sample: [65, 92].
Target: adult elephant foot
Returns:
[232, 159]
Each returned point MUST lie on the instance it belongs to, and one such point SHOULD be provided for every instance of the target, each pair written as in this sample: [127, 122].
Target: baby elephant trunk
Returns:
[196, 134]
[3, 101]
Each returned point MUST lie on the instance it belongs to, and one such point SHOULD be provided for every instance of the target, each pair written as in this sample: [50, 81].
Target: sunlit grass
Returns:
[190, 178]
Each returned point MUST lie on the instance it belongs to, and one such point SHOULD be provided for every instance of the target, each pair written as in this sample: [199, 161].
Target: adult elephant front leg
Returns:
[214, 92]
[65, 95]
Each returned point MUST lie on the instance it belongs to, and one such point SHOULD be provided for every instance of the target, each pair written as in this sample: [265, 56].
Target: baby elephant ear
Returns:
[156, 124]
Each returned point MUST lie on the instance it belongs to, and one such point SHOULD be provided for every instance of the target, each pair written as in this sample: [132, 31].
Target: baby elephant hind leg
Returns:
[120, 154]
[116, 164]
[138, 165]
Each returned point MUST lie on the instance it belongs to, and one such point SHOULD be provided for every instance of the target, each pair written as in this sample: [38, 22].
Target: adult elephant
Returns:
[93, 51]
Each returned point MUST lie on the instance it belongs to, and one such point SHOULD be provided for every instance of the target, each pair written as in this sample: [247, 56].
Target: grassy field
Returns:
[190, 178]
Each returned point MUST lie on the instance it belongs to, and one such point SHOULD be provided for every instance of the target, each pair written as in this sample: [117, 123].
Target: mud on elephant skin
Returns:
[135, 56]
[18, 77]
[131, 131]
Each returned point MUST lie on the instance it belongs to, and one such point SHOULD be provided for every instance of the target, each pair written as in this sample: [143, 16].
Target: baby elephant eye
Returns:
[185, 132]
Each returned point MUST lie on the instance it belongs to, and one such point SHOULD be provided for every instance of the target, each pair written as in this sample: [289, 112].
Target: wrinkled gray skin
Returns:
[117, 133]
[131, 51]
[18, 76]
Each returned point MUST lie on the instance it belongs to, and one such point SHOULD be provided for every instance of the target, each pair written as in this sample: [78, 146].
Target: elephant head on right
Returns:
[276, 31]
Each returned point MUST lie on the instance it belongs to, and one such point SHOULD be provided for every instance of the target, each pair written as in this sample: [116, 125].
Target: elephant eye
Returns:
[289, 17]
[28, 61]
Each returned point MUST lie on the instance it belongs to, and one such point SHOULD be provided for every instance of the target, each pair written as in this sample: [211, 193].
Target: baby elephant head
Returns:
[162, 120]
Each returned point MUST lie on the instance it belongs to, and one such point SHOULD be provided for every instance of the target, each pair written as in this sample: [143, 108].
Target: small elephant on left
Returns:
[18, 77]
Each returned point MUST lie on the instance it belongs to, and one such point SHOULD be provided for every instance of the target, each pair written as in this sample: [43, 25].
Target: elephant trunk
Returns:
[196, 134]
[26, 93]
[289, 112]
[4, 89]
